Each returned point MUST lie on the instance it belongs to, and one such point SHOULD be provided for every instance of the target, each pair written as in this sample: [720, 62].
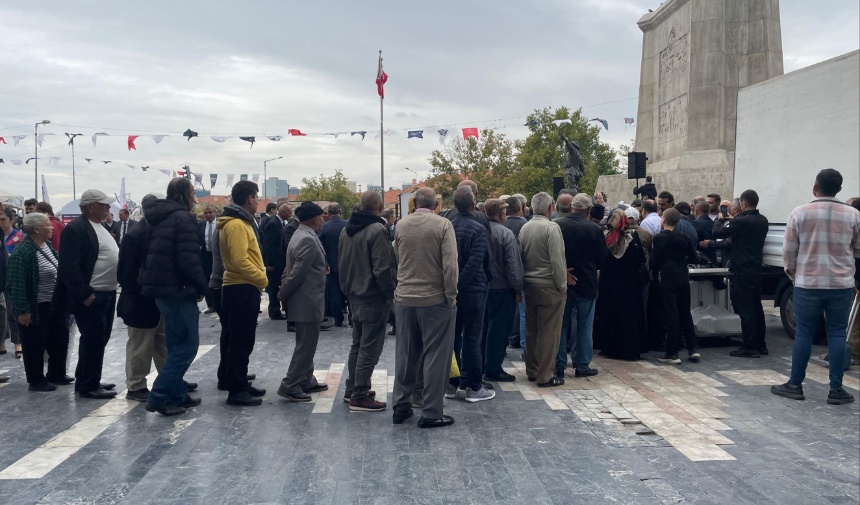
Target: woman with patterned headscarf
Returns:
[620, 327]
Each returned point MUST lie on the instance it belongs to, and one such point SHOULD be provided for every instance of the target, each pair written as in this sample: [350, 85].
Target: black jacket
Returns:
[274, 253]
[79, 250]
[329, 237]
[172, 267]
[584, 250]
[671, 253]
[705, 231]
[4, 258]
[287, 235]
[473, 254]
[136, 310]
[748, 231]
[515, 224]
[648, 191]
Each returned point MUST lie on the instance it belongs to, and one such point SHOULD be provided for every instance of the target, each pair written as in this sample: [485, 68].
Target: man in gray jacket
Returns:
[367, 276]
[505, 290]
[303, 290]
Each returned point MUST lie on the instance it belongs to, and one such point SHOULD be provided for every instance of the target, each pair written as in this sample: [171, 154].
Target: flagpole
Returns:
[381, 144]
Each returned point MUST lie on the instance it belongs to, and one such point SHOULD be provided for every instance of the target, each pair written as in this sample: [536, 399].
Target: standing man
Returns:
[505, 293]
[747, 231]
[584, 252]
[822, 258]
[515, 221]
[368, 270]
[329, 237]
[111, 226]
[274, 256]
[271, 212]
[87, 277]
[704, 227]
[647, 190]
[650, 217]
[205, 232]
[125, 224]
[713, 206]
[545, 283]
[30, 205]
[303, 290]
[45, 208]
[425, 302]
[243, 281]
[665, 200]
[388, 216]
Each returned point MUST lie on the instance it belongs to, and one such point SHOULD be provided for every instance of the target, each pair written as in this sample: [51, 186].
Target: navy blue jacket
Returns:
[472, 255]
[329, 237]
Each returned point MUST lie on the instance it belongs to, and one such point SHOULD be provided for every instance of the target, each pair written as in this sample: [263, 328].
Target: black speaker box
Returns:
[636, 165]
[557, 186]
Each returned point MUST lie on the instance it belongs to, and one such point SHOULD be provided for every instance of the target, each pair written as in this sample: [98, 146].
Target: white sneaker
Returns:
[450, 391]
[479, 395]
[671, 360]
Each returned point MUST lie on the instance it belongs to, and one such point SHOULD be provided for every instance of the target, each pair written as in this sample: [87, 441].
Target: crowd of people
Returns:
[558, 278]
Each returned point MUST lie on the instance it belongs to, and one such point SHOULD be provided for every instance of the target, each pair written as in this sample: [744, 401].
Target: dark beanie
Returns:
[308, 210]
[598, 211]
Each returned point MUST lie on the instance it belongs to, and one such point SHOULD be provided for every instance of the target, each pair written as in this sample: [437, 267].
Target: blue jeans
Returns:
[808, 306]
[181, 318]
[577, 325]
[522, 308]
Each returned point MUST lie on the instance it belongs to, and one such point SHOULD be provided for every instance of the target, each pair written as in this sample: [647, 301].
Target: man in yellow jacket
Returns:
[244, 280]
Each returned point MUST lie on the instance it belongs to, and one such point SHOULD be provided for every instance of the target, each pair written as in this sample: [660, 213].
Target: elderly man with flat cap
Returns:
[303, 290]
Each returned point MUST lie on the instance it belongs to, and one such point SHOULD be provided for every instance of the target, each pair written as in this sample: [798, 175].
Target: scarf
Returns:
[619, 235]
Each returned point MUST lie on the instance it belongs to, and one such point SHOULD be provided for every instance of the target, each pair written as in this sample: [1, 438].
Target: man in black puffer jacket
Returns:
[173, 275]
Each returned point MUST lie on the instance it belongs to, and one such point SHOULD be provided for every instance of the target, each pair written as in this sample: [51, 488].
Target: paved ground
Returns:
[639, 432]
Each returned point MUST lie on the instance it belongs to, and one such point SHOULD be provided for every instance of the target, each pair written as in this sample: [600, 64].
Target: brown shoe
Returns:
[366, 404]
[347, 396]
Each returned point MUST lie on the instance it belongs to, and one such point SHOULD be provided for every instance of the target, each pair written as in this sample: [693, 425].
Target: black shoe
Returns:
[515, 344]
[585, 372]
[97, 394]
[243, 399]
[190, 386]
[222, 386]
[4, 379]
[255, 392]
[743, 352]
[141, 395]
[499, 377]
[559, 373]
[44, 387]
[788, 390]
[294, 397]
[435, 423]
[291, 327]
[401, 415]
[62, 381]
[107, 386]
[191, 402]
[839, 397]
[251, 377]
[320, 386]
[277, 317]
[166, 410]
[763, 350]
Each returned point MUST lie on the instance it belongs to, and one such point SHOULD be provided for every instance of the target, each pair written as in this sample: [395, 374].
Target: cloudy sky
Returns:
[261, 68]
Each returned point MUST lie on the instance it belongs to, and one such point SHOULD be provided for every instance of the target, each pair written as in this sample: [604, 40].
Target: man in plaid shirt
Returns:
[822, 257]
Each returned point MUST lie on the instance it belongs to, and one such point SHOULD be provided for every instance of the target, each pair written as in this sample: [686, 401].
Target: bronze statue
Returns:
[574, 168]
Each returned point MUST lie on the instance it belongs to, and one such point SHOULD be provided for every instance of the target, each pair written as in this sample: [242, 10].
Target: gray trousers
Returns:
[424, 335]
[368, 337]
[300, 375]
[144, 346]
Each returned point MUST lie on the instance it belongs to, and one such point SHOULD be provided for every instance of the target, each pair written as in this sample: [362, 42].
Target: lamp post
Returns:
[72, 143]
[413, 171]
[266, 178]
[36, 156]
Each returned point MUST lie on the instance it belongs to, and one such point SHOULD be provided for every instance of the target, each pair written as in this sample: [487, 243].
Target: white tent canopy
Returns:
[72, 210]
[11, 199]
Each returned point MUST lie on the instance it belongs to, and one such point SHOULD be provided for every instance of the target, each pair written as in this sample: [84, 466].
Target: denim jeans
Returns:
[467, 338]
[500, 314]
[808, 306]
[522, 308]
[181, 318]
[576, 328]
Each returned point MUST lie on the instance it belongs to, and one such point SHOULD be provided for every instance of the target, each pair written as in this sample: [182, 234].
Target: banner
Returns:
[212, 179]
[243, 177]
[470, 132]
[255, 178]
[45, 197]
[230, 180]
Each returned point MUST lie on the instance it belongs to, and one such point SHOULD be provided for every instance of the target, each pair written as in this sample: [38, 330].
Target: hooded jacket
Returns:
[135, 310]
[368, 268]
[239, 243]
[172, 266]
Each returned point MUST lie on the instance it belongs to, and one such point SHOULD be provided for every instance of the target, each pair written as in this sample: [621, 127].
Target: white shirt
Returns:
[123, 229]
[104, 273]
[651, 223]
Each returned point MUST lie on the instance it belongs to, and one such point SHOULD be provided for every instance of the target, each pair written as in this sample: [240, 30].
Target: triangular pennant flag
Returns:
[158, 138]
[604, 122]
[255, 178]
[362, 133]
[249, 139]
[144, 168]
[1, 161]
[212, 179]
[2, 140]
[532, 122]
[164, 171]
[189, 133]
[415, 134]
[296, 132]
[18, 138]
[274, 138]
[443, 135]
[129, 166]
[106, 162]
[470, 132]
[53, 160]
[199, 178]
[131, 139]
[219, 138]
[88, 160]
[243, 177]
[628, 120]
[16, 162]
[40, 137]
[559, 122]
[97, 135]
[230, 178]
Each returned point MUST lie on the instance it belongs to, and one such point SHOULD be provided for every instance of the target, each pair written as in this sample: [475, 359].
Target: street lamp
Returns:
[36, 143]
[72, 143]
[413, 171]
[266, 178]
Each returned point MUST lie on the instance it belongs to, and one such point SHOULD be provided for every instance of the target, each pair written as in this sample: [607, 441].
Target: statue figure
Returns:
[574, 168]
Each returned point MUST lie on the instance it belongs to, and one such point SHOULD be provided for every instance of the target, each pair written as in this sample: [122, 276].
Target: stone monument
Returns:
[696, 55]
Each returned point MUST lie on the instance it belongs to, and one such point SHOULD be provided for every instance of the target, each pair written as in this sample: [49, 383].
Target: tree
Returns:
[487, 160]
[330, 189]
[542, 156]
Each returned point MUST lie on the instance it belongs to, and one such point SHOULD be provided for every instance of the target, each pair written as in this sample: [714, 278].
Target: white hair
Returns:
[541, 203]
[522, 198]
[32, 220]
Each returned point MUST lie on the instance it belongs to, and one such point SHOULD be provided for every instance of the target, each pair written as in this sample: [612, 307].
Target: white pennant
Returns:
[559, 122]
[16, 162]
[130, 166]
[230, 178]
[96, 135]
[40, 137]
[275, 138]
[255, 178]
[164, 171]
[18, 138]
[219, 139]
[53, 160]
[158, 138]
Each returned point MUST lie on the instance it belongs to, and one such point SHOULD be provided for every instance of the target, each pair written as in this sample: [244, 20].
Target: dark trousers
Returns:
[240, 304]
[676, 311]
[206, 263]
[746, 300]
[224, 337]
[272, 288]
[334, 299]
[468, 331]
[38, 338]
[501, 307]
[368, 337]
[654, 317]
[94, 323]
[300, 374]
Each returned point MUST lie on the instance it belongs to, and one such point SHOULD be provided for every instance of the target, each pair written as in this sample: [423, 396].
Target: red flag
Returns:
[2, 140]
[381, 78]
[470, 132]
[296, 133]
[131, 139]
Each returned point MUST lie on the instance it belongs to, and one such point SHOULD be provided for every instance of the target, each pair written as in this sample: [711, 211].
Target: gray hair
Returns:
[371, 200]
[541, 203]
[334, 209]
[463, 199]
[152, 197]
[32, 220]
[522, 198]
[425, 198]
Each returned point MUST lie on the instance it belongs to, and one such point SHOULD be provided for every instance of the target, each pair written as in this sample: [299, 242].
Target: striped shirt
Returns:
[47, 274]
[822, 242]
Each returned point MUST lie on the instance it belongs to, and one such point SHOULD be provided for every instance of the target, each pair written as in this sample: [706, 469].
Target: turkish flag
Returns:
[470, 132]
[131, 139]
[296, 133]
[381, 78]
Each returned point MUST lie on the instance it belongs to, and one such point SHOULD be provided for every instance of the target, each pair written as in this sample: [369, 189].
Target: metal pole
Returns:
[381, 147]
[74, 191]
[265, 178]
[36, 160]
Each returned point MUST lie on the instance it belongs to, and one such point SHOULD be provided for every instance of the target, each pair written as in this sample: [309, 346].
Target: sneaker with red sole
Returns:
[367, 404]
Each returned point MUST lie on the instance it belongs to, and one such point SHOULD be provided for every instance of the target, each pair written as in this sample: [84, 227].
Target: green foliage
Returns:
[331, 189]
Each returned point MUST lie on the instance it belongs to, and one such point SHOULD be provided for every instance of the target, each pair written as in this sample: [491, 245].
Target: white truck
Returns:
[789, 128]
